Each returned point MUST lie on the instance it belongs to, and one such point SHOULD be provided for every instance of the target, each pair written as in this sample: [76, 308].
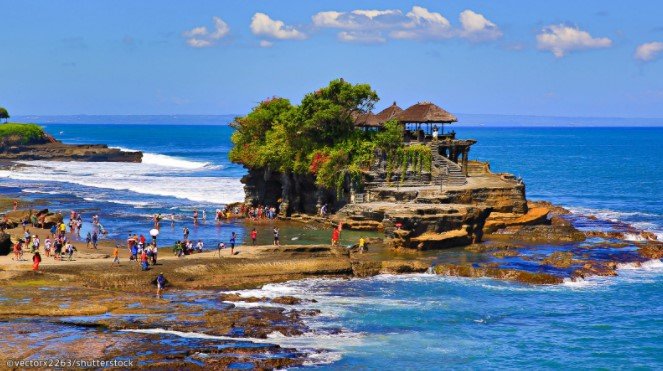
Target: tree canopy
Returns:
[4, 114]
[317, 136]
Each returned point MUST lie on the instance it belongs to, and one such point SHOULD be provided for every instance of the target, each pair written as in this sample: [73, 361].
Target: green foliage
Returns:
[13, 133]
[416, 158]
[317, 137]
[4, 114]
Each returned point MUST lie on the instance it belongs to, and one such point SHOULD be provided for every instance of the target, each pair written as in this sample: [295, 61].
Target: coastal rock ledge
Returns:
[68, 152]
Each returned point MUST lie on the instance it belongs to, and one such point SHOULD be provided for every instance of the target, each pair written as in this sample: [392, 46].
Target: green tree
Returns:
[4, 114]
[316, 137]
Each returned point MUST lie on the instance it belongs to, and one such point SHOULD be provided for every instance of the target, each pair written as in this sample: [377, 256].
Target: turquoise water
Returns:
[420, 321]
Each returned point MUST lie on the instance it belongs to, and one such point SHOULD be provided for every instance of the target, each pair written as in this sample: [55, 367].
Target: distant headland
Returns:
[22, 142]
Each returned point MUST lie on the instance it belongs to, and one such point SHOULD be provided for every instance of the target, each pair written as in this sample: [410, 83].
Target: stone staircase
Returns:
[449, 172]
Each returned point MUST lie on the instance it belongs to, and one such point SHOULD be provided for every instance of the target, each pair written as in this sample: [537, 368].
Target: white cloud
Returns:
[201, 37]
[377, 26]
[649, 51]
[266, 44]
[358, 19]
[477, 28]
[561, 39]
[263, 25]
[361, 37]
[424, 24]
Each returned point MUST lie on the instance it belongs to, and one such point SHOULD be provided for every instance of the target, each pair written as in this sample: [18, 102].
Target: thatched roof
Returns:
[425, 112]
[367, 119]
[389, 112]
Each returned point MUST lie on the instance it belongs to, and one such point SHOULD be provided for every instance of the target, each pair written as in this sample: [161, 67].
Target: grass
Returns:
[15, 133]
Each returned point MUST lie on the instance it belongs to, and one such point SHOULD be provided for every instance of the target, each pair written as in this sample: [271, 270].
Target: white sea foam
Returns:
[140, 178]
[627, 217]
[654, 265]
[309, 343]
[169, 161]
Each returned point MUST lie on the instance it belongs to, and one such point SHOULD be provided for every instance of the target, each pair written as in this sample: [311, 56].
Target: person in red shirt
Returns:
[254, 235]
[36, 259]
[335, 236]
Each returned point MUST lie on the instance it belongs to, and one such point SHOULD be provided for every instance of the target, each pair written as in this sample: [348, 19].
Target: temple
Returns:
[423, 124]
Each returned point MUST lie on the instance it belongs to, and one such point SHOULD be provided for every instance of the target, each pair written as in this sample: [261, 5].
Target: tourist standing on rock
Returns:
[233, 238]
[36, 259]
[70, 250]
[220, 247]
[143, 261]
[335, 236]
[47, 247]
[154, 253]
[18, 250]
[254, 236]
[88, 239]
[276, 237]
[161, 284]
[199, 246]
[185, 233]
[15, 205]
[95, 239]
[54, 230]
[35, 243]
[362, 244]
[116, 255]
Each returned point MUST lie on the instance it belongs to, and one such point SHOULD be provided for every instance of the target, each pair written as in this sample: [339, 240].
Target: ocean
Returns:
[411, 321]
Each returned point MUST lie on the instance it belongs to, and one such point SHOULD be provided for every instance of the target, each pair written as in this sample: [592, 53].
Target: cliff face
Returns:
[294, 193]
[65, 152]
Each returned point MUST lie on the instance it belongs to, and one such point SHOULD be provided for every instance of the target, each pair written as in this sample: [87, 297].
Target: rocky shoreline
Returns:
[198, 327]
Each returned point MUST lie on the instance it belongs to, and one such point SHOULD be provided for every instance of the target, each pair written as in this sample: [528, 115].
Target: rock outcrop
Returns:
[67, 152]
[549, 234]
[418, 226]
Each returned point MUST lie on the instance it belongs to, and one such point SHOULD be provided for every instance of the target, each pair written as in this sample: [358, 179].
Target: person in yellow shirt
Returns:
[362, 244]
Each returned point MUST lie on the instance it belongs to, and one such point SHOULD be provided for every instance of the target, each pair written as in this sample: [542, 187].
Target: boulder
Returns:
[5, 244]
[549, 234]
[534, 216]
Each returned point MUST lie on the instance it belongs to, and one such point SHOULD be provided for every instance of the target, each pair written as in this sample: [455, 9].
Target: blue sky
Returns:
[560, 58]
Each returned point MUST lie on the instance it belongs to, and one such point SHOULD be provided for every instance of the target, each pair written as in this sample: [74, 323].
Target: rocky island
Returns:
[332, 161]
[24, 142]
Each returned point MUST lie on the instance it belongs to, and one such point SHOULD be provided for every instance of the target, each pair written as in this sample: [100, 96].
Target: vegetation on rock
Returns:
[15, 134]
[318, 137]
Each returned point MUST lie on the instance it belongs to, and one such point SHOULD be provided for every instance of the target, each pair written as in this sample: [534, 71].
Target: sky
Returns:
[550, 58]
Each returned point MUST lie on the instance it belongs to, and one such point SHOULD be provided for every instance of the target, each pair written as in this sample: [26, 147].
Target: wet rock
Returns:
[559, 259]
[287, 300]
[238, 297]
[549, 234]
[595, 268]
[489, 246]
[505, 254]
[559, 221]
[366, 268]
[400, 267]
[5, 244]
[468, 270]
[651, 250]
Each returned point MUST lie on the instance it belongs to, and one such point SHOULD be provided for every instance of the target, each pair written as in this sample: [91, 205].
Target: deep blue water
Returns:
[419, 321]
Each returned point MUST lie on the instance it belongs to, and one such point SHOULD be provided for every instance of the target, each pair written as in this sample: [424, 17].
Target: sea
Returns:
[418, 321]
